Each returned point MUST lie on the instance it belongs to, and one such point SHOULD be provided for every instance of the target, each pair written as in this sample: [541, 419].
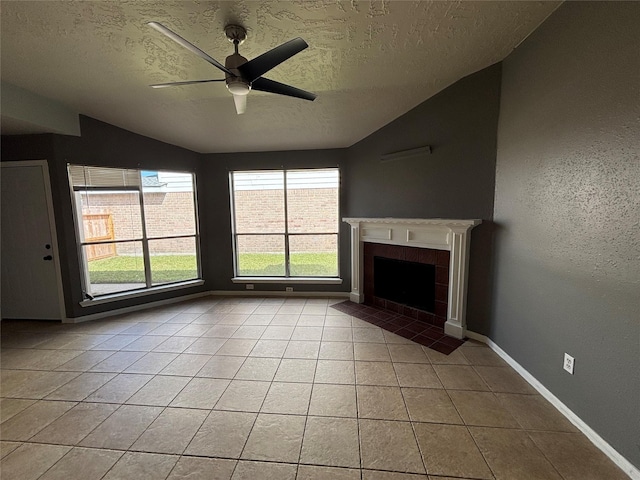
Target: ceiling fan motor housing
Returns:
[236, 85]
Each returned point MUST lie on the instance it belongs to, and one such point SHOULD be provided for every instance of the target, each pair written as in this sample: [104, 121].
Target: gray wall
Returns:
[567, 210]
[455, 181]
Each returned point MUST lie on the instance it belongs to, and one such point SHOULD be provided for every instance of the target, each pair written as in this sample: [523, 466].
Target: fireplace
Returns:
[410, 284]
[418, 279]
[441, 244]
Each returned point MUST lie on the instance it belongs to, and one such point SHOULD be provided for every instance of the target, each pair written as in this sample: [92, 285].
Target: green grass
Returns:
[130, 269]
[302, 264]
[174, 268]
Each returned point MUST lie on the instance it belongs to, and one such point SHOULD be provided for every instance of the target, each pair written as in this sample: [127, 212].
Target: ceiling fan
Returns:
[242, 75]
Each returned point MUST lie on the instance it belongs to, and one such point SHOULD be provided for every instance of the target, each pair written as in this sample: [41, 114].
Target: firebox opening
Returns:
[407, 283]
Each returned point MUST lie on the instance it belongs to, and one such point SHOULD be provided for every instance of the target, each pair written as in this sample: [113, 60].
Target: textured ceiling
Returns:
[369, 62]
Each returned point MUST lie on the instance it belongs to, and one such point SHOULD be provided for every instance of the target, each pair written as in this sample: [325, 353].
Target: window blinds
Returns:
[85, 176]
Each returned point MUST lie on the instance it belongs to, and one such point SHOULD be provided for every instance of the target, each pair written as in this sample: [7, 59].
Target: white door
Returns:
[31, 287]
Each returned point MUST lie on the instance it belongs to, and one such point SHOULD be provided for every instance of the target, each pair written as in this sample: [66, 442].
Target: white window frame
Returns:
[149, 287]
[287, 278]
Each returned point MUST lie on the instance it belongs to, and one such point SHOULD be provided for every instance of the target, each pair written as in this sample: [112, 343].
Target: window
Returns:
[136, 229]
[285, 223]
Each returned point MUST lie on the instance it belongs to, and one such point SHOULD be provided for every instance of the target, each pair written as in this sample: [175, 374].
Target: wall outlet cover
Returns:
[568, 363]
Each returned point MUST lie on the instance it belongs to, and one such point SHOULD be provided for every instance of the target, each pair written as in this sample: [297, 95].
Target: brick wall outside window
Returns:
[310, 210]
[166, 214]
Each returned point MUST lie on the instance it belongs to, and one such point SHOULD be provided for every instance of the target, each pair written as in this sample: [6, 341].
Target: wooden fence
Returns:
[98, 227]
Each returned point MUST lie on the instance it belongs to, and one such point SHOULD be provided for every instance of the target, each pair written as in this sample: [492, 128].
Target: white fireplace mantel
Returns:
[435, 233]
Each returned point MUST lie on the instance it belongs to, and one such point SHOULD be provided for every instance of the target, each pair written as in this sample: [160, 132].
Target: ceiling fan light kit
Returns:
[242, 75]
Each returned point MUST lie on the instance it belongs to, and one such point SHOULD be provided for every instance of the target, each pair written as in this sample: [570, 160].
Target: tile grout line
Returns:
[257, 413]
[411, 423]
[306, 417]
[466, 426]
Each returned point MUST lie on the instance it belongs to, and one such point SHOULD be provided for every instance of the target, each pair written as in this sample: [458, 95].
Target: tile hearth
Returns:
[412, 329]
[270, 389]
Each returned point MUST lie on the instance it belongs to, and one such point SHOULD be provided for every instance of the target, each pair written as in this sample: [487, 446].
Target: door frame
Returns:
[44, 166]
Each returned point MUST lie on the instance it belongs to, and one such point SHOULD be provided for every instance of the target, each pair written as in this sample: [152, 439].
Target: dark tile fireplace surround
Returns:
[425, 328]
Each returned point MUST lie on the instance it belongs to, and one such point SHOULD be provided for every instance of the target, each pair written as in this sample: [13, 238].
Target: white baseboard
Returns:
[596, 439]
[476, 336]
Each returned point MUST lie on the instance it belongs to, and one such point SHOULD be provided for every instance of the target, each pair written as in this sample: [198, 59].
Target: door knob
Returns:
[48, 257]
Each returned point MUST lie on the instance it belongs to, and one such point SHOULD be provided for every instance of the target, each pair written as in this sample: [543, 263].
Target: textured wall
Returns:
[455, 181]
[567, 211]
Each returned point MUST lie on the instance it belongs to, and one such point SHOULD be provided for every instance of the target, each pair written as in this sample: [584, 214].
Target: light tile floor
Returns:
[270, 389]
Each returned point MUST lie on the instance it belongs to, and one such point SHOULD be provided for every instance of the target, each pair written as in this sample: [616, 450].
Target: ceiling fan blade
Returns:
[189, 46]
[179, 84]
[260, 65]
[241, 103]
[271, 86]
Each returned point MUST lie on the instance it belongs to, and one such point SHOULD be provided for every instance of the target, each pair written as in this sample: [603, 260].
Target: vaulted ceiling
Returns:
[369, 62]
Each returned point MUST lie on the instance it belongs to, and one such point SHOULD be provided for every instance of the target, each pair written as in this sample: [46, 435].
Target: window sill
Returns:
[140, 293]
[289, 280]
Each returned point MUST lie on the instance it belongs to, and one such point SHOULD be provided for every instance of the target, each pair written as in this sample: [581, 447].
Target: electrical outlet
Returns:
[288, 289]
[568, 363]
[249, 286]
